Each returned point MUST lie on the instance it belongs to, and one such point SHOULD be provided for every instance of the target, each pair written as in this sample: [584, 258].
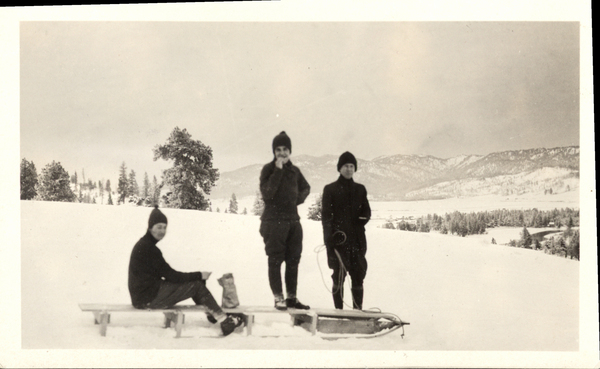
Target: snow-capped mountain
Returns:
[411, 177]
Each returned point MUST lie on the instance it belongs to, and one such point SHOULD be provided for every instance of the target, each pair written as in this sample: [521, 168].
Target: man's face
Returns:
[283, 153]
[158, 231]
[347, 170]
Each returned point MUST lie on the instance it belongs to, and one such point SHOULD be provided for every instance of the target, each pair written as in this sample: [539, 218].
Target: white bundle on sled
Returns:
[230, 297]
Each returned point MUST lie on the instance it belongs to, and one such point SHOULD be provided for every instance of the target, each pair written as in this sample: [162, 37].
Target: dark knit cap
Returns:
[156, 216]
[346, 158]
[282, 139]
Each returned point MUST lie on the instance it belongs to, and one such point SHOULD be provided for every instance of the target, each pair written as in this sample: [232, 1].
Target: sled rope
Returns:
[318, 249]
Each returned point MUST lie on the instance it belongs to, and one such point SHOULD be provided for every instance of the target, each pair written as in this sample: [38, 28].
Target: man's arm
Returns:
[303, 188]
[365, 213]
[327, 215]
[270, 179]
[171, 275]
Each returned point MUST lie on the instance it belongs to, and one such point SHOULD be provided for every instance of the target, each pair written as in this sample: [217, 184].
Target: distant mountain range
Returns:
[415, 177]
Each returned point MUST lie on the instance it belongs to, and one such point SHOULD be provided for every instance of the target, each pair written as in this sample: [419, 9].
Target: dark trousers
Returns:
[283, 243]
[170, 294]
[338, 277]
[354, 263]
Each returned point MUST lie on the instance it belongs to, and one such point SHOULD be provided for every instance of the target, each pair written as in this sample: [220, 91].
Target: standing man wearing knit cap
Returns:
[153, 284]
[345, 211]
[283, 188]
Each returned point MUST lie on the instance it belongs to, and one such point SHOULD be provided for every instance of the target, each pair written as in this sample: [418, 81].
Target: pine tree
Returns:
[108, 189]
[259, 205]
[233, 204]
[536, 244]
[110, 202]
[134, 189]
[101, 189]
[525, 238]
[245, 212]
[574, 245]
[562, 247]
[155, 191]
[192, 176]
[54, 184]
[29, 180]
[146, 189]
[123, 186]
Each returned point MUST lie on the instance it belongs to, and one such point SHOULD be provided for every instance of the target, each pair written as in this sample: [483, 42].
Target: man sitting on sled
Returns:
[153, 284]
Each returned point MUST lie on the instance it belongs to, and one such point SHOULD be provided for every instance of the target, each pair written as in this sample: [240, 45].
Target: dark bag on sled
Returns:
[230, 297]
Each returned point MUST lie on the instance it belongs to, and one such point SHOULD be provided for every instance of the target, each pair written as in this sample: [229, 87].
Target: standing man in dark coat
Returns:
[153, 284]
[283, 188]
[345, 211]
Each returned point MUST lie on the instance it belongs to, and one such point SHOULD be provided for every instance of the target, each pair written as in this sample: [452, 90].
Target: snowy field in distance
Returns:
[383, 210]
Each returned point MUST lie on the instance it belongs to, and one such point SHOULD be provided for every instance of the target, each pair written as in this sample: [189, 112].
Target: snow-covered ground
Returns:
[460, 295]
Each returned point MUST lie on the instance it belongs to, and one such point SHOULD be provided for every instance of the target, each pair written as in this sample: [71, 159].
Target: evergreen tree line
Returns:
[129, 191]
[55, 184]
[464, 224]
[52, 184]
[233, 206]
[185, 185]
[564, 244]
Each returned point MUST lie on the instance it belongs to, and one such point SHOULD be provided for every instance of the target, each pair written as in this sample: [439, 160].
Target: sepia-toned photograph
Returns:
[251, 188]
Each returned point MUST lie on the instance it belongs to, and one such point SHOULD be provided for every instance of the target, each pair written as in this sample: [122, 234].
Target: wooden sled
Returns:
[329, 323]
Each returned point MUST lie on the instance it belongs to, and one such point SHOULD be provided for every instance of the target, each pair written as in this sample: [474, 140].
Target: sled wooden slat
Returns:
[175, 317]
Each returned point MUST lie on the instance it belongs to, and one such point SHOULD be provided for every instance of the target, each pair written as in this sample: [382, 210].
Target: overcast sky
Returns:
[96, 94]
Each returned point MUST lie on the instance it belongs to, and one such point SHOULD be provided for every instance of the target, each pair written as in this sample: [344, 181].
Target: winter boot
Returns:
[211, 318]
[357, 297]
[280, 303]
[294, 303]
[230, 324]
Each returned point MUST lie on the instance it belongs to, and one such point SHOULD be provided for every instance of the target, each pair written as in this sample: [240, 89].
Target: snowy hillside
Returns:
[558, 180]
[410, 177]
[457, 293]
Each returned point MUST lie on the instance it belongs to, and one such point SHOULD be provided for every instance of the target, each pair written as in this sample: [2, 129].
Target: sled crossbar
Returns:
[175, 316]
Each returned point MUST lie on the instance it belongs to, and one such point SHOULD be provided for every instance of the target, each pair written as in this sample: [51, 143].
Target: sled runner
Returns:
[330, 324]
[335, 323]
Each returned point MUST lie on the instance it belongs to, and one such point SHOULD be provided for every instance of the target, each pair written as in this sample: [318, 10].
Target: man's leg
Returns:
[338, 277]
[170, 294]
[292, 258]
[274, 234]
[274, 264]
[357, 274]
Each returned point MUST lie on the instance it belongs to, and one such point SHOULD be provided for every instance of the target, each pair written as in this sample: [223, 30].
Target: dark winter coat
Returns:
[147, 268]
[282, 191]
[345, 208]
